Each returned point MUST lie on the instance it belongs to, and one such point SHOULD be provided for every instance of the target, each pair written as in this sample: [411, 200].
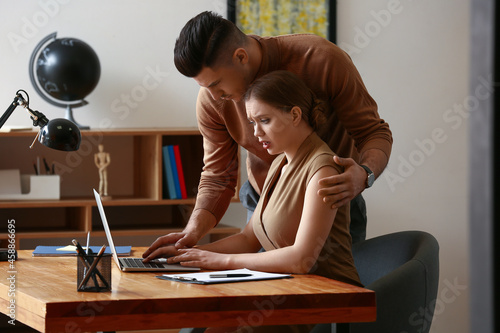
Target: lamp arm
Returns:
[10, 109]
[38, 118]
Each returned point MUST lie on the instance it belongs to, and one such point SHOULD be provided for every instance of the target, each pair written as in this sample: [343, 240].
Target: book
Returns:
[175, 173]
[64, 251]
[180, 172]
[233, 275]
[168, 177]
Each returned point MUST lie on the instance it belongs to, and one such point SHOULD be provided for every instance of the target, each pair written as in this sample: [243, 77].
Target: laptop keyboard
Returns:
[137, 263]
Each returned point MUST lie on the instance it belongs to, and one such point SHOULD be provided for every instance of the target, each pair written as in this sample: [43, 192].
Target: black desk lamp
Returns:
[60, 134]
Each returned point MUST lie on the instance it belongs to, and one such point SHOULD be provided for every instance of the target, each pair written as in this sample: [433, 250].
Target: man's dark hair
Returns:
[206, 40]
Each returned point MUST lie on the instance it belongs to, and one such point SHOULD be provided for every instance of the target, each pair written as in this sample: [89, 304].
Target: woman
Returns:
[304, 234]
[300, 233]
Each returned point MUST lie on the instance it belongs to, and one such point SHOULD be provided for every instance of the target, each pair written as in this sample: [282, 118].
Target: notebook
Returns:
[134, 264]
[70, 250]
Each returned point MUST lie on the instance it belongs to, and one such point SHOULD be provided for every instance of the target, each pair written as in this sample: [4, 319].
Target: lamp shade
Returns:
[60, 134]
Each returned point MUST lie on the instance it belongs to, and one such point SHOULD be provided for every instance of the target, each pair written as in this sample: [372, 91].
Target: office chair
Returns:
[403, 270]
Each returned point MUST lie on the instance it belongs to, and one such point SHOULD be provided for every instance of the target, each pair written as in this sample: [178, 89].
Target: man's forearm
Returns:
[375, 159]
[200, 223]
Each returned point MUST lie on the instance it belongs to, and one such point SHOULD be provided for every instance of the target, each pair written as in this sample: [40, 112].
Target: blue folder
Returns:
[51, 251]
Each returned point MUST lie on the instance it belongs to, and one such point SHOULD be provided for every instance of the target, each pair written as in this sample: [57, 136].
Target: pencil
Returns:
[92, 267]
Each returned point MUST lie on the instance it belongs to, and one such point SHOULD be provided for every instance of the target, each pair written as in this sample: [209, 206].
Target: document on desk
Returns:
[234, 275]
[70, 250]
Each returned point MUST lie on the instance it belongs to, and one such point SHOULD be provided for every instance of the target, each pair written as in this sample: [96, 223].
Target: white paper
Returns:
[204, 277]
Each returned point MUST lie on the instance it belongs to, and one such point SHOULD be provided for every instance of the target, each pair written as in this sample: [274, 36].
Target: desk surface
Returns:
[47, 300]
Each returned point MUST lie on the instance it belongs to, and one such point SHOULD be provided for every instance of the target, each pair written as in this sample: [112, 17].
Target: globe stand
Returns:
[69, 115]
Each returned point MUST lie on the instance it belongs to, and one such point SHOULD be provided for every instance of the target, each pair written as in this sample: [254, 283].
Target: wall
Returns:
[413, 56]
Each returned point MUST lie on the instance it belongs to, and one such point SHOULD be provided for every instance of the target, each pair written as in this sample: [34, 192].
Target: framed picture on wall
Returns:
[280, 17]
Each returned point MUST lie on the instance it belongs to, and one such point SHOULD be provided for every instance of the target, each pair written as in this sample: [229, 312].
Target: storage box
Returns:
[14, 186]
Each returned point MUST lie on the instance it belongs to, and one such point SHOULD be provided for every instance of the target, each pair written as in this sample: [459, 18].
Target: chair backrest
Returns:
[403, 270]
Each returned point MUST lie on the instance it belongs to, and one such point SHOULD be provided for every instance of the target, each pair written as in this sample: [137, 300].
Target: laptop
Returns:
[134, 264]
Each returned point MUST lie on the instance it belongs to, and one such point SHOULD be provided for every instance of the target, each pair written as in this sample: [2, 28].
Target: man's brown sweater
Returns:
[352, 126]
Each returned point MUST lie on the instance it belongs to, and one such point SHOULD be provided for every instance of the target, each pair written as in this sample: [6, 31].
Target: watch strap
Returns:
[370, 178]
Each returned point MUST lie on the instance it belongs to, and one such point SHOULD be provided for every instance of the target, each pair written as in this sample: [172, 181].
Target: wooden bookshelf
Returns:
[138, 205]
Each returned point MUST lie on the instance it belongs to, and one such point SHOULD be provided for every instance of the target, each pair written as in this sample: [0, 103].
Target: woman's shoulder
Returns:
[322, 157]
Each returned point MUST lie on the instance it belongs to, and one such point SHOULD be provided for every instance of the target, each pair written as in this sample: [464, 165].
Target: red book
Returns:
[180, 172]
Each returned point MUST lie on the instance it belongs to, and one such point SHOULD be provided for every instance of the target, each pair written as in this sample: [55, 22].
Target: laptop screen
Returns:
[106, 227]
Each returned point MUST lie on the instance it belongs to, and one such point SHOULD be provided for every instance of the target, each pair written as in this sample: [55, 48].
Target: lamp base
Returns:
[7, 254]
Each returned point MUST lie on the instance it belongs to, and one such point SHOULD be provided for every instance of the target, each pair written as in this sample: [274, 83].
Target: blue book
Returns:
[175, 173]
[168, 176]
[64, 251]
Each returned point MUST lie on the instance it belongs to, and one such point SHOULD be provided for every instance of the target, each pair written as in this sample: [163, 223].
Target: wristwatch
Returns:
[370, 179]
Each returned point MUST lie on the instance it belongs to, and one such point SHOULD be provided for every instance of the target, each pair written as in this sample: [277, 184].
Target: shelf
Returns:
[137, 205]
[221, 229]
[116, 132]
[84, 202]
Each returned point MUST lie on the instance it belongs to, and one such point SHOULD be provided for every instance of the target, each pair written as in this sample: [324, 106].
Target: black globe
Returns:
[68, 69]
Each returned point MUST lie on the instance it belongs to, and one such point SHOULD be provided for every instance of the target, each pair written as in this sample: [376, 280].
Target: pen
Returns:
[94, 264]
[88, 241]
[86, 266]
[47, 168]
[82, 252]
[87, 261]
[228, 275]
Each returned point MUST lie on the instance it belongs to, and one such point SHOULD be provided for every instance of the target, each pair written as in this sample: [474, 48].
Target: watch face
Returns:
[370, 178]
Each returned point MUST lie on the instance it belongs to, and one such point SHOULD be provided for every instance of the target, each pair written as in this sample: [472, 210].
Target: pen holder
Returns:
[94, 276]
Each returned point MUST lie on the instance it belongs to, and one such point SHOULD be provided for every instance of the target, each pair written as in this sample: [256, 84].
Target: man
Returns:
[224, 62]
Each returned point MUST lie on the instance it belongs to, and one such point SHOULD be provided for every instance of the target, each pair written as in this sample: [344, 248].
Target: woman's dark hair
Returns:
[205, 41]
[284, 90]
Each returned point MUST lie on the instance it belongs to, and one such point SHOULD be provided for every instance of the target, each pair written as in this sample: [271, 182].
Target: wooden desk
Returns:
[46, 299]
